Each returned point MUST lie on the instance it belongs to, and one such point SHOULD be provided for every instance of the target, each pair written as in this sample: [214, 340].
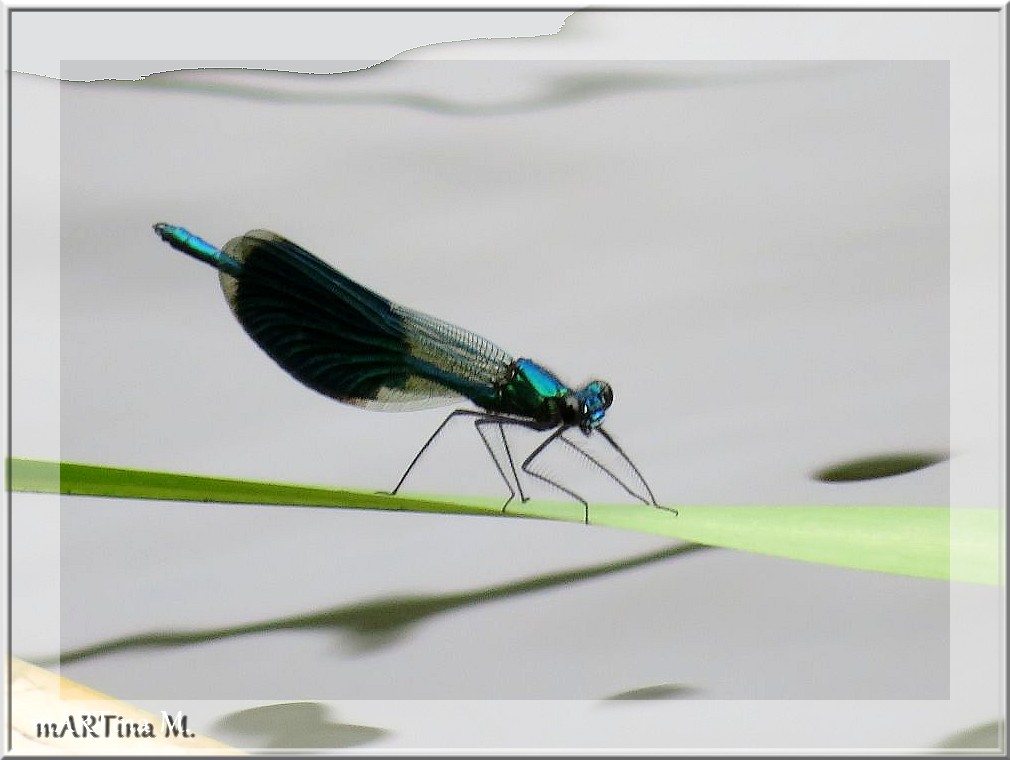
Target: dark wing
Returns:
[348, 342]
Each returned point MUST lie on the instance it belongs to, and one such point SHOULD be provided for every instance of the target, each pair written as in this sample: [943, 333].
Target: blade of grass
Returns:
[926, 542]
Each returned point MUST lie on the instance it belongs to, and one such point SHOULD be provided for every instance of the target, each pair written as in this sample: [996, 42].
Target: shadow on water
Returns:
[295, 725]
[374, 624]
[879, 466]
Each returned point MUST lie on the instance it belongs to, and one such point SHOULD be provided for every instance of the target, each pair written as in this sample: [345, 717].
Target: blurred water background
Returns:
[755, 255]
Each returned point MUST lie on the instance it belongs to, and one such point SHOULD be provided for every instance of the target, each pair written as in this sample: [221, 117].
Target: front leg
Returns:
[610, 473]
[627, 459]
[536, 452]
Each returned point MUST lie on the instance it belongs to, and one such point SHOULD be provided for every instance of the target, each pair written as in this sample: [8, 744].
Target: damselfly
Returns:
[353, 345]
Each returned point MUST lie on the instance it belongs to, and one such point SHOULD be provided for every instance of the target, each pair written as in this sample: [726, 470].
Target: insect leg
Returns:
[609, 472]
[427, 443]
[536, 452]
[478, 424]
[627, 459]
[512, 464]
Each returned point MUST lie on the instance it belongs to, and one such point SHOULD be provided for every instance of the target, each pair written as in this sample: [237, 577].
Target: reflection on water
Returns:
[512, 95]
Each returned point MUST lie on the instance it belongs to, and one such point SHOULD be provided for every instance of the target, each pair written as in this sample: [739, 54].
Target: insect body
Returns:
[348, 342]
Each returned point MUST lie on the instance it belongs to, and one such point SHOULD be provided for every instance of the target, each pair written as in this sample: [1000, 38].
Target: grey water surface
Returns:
[754, 256]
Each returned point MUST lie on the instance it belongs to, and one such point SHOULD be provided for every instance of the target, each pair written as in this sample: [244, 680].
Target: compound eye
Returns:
[606, 393]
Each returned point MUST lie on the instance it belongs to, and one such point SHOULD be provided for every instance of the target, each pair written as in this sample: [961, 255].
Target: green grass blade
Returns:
[93, 480]
[926, 542]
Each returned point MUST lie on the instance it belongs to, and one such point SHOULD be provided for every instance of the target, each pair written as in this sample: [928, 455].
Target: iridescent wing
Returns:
[348, 342]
